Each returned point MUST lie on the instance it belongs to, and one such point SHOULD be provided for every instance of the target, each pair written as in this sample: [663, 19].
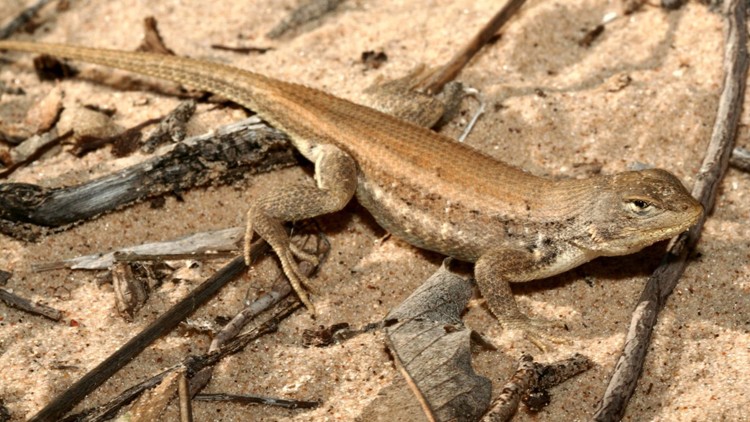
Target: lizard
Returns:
[424, 187]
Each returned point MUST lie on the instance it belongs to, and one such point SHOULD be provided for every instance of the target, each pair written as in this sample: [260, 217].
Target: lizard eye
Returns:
[639, 206]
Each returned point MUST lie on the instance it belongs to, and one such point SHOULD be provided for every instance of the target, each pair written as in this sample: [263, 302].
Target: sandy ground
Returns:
[554, 108]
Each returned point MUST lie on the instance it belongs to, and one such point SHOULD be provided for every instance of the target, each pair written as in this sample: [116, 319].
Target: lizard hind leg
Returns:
[406, 98]
[336, 177]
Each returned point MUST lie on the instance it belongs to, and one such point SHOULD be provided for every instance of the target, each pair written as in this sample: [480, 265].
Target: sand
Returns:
[645, 92]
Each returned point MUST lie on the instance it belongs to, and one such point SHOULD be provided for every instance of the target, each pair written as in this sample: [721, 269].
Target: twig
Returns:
[218, 241]
[23, 304]
[94, 378]
[450, 70]
[196, 256]
[192, 364]
[153, 42]
[42, 143]
[22, 19]
[172, 127]
[281, 289]
[186, 407]
[663, 280]
[250, 399]
[529, 378]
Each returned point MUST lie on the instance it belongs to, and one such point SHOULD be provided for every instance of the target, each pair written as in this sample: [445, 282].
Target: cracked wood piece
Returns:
[246, 147]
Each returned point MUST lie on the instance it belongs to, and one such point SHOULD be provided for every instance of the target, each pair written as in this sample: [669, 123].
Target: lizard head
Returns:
[638, 208]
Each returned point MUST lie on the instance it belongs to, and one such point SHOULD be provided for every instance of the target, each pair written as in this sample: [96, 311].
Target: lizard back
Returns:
[311, 117]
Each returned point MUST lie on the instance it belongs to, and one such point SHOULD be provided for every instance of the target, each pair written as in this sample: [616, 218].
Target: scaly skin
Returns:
[431, 191]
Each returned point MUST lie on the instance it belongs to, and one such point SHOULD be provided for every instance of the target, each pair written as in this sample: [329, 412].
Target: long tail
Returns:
[235, 84]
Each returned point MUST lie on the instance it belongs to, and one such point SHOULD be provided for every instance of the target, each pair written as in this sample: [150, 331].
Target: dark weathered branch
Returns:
[229, 152]
[663, 280]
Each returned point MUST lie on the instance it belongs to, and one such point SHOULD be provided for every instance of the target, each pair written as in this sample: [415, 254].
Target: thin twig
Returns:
[281, 289]
[94, 378]
[529, 377]
[186, 407]
[42, 144]
[450, 70]
[192, 364]
[23, 304]
[663, 280]
[195, 256]
[251, 399]
[224, 240]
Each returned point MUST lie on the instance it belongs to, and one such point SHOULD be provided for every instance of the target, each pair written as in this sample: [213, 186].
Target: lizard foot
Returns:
[287, 254]
[297, 278]
[535, 330]
[303, 255]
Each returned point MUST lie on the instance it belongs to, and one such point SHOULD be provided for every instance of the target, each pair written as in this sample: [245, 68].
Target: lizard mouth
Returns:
[635, 240]
[660, 234]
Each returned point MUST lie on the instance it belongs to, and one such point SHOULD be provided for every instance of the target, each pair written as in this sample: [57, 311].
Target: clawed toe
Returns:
[304, 255]
[536, 332]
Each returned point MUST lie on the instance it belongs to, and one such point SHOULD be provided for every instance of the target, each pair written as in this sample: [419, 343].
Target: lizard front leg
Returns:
[494, 271]
[336, 180]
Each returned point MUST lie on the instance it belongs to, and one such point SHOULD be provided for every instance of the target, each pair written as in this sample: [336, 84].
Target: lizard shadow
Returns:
[598, 275]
